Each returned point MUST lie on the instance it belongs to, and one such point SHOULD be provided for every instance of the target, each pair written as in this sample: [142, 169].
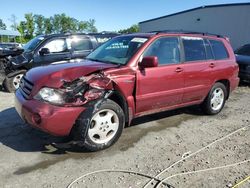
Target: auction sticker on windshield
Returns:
[140, 40]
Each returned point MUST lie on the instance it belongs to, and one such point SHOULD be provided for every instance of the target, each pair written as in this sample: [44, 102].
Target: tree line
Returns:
[36, 24]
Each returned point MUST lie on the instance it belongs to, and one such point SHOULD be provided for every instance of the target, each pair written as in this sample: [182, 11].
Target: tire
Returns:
[11, 83]
[101, 127]
[215, 99]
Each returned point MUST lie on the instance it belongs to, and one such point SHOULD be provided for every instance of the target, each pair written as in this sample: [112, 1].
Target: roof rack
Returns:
[187, 32]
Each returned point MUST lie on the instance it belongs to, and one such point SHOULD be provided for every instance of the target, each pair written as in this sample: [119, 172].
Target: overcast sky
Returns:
[110, 15]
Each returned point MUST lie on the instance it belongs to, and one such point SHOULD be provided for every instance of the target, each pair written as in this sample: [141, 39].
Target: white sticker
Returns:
[192, 38]
[140, 40]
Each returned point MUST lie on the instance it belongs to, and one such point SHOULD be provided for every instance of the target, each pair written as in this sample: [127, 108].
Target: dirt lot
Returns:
[151, 145]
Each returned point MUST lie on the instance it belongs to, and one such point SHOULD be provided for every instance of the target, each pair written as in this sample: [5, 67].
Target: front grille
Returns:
[26, 87]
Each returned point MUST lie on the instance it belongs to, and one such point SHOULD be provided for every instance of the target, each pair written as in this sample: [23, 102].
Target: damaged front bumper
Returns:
[56, 120]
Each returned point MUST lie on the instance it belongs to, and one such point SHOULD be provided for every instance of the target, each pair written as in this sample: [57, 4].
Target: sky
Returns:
[110, 15]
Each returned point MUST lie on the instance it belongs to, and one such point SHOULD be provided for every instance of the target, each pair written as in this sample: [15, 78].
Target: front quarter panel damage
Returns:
[100, 86]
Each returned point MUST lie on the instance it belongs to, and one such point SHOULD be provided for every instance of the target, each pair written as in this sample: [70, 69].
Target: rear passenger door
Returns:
[198, 65]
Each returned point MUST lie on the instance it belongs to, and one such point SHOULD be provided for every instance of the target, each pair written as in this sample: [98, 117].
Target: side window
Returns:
[80, 44]
[56, 46]
[165, 49]
[194, 48]
[208, 50]
[219, 49]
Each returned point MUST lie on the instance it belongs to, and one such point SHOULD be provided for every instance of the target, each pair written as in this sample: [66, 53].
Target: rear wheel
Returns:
[100, 128]
[215, 100]
[11, 83]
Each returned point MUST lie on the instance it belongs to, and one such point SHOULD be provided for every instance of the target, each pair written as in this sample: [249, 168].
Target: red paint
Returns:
[146, 90]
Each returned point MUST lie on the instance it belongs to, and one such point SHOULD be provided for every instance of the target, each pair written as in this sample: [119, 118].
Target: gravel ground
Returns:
[149, 146]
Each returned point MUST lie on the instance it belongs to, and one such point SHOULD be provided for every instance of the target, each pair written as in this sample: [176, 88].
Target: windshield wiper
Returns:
[103, 61]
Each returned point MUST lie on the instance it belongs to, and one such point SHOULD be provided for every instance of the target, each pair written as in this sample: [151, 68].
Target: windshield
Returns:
[32, 44]
[117, 50]
[244, 50]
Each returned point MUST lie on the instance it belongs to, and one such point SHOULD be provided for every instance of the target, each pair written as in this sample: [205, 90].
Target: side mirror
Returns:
[44, 51]
[150, 61]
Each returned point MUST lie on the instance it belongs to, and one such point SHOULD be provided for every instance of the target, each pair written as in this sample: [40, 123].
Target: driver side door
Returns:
[57, 51]
[162, 86]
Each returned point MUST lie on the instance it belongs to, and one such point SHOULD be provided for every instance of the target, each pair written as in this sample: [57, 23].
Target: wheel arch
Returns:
[117, 97]
[226, 83]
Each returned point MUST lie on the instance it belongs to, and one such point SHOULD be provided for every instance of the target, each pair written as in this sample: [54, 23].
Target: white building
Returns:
[231, 20]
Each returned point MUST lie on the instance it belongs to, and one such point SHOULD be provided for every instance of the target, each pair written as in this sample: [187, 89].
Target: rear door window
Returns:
[219, 49]
[79, 44]
[194, 49]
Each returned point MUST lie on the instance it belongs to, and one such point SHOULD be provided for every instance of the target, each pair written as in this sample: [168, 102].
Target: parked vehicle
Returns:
[127, 77]
[7, 50]
[243, 59]
[46, 49]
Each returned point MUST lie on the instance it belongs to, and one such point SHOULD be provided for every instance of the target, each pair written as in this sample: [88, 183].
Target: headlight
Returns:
[51, 95]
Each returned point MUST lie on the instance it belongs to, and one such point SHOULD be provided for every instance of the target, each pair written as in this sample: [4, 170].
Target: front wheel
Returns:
[11, 83]
[101, 127]
[215, 100]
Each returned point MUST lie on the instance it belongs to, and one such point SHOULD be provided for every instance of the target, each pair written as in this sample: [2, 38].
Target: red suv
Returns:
[127, 77]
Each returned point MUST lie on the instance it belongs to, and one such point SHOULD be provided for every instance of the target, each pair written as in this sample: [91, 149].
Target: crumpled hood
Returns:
[53, 75]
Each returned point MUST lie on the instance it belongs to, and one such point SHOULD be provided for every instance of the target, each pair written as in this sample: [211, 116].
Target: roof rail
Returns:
[187, 32]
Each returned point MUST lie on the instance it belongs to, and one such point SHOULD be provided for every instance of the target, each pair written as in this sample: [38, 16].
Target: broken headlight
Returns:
[54, 96]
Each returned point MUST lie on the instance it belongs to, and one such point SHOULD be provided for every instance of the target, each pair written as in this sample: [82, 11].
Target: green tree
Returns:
[82, 26]
[2, 25]
[13, 20]
[56, 21]
[48, 27]
[30, 24]
[133, 29]
[22, 30]
[39, 21]
[91, 26]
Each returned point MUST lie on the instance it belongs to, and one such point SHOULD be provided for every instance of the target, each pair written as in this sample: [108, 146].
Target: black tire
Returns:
[207, 104]
[8, 81]
[81, 129]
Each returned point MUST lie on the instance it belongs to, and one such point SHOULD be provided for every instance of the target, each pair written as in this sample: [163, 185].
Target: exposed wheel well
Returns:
[227, 85]
[120, 100]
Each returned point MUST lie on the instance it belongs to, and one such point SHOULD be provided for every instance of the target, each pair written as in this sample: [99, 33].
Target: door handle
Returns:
[178, 69]
[212, 65]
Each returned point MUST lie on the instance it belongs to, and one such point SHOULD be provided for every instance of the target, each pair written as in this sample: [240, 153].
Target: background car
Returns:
[243, 59]
[46, 49]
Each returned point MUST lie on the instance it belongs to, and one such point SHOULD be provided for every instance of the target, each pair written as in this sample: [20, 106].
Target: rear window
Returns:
[219, 49]
[244, 50]
[194, 48]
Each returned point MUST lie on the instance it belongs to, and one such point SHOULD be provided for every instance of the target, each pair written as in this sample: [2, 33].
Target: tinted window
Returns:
[194, 48]
[165, 49]
[80, 44]
[56, 46]
[219, 49]
[208, 50]
[244, 50]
